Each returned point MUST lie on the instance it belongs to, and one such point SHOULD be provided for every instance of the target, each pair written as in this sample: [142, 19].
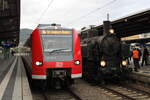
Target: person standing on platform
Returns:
[145, 56]
[12, 52]
[136, 55]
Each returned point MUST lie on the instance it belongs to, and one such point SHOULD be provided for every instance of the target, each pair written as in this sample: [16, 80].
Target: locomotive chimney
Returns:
[106, 27]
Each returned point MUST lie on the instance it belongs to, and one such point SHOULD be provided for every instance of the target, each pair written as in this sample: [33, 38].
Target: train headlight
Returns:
[38, 63]
[103, 63]
[111, 31]
[124, 62]
[77, 62]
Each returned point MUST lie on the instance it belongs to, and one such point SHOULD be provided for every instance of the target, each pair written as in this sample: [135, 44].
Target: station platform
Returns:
[13, 80]
[142, 75]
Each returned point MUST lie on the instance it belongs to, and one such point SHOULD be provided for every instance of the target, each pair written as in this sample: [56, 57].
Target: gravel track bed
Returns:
[87, 91]
[59, 95]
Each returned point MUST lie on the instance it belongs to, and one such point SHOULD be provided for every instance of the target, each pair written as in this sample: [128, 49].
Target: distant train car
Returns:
[104, 56]
[56, 54]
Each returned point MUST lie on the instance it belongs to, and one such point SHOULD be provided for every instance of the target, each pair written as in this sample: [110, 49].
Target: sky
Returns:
[77, 13]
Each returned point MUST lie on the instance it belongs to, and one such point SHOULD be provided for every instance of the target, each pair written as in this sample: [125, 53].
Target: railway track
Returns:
[74, 94]
[67, 94]
[45, 97]
[127, 92]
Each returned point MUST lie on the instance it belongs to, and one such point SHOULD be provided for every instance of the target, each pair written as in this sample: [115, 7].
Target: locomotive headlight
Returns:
[77, 62]
[103, 63]
[111, 31]
[38, 63]
[124, 62]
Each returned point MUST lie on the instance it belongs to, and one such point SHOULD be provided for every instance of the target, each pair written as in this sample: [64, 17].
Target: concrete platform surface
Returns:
[14, 84]
[143, 74]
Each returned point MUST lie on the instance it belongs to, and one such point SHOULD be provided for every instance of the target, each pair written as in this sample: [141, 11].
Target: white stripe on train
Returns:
[39, 77]
[76, 75]
[44, 76]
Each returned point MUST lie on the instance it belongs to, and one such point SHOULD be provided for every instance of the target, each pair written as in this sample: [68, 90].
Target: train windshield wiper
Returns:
[56, 50]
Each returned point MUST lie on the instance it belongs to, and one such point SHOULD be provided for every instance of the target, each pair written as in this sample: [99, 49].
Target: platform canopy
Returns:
[131, 25]
[9, 21]
[141, 40]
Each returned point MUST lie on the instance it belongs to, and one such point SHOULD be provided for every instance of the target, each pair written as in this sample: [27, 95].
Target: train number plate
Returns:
[59, 64]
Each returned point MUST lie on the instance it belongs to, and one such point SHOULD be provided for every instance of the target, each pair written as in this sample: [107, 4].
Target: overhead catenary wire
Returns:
[93, 11]
[42, 14]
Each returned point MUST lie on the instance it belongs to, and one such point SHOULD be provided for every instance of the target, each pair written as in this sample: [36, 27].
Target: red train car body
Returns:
[56, 53]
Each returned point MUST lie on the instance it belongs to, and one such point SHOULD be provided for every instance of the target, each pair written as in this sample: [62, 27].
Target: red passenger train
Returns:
[56, 54]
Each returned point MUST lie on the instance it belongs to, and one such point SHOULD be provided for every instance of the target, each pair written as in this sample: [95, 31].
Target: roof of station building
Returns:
[134, 24]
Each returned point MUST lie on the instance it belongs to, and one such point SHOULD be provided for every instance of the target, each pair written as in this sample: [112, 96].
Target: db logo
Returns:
[59, 64]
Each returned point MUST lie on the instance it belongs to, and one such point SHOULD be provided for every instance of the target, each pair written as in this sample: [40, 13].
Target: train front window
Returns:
[57, 47]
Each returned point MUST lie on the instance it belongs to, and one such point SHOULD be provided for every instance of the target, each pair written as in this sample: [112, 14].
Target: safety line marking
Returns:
[5, 81]
[17, 93]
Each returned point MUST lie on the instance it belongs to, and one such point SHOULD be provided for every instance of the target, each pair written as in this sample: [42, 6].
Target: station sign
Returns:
[7, 45]
[56, 32]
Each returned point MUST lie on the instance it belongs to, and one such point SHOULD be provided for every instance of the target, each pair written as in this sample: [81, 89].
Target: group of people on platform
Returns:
[137, 55]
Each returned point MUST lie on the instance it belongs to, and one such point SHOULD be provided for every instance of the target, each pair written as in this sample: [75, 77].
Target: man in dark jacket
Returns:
[145, 56]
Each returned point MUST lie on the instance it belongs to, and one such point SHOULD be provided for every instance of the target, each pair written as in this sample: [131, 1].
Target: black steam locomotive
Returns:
[104, 56]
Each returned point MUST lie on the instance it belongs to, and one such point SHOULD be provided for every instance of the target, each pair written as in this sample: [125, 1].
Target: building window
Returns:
[3, 5]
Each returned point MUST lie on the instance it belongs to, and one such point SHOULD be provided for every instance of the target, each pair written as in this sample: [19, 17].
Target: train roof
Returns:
[52, 26]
